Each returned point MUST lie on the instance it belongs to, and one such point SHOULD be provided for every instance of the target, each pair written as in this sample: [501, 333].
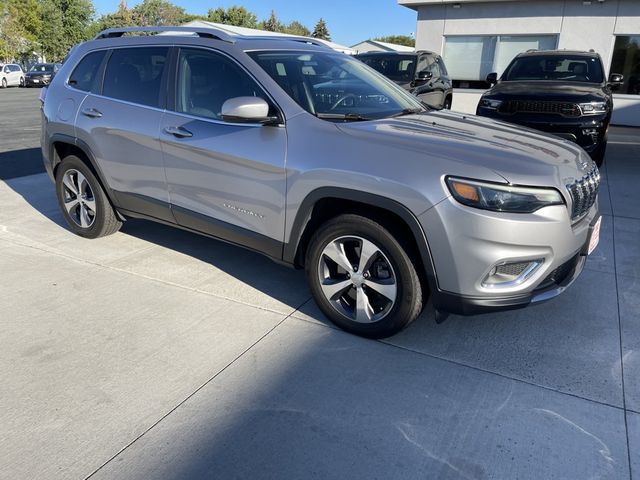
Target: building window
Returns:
[626, 61]
[470, 59]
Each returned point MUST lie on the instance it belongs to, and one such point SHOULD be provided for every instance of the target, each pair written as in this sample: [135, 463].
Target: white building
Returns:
[377, 46]
[477, 37]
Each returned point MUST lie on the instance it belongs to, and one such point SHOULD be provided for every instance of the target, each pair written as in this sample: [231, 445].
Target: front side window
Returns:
[565, 68]
[399, 68]
[206, 80]
[85, 73]
[335, 86]
[626, 61]
[134, 75]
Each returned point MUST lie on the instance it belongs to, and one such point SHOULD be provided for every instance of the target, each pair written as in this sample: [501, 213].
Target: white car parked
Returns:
[11, 75]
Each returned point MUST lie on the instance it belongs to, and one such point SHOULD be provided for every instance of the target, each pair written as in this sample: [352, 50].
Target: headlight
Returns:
[593, 108]
[490, 103]
[499, 197]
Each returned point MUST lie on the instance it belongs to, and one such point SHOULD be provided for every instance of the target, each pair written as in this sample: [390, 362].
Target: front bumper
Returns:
[588, 131]
[466, 244]
[36, 82]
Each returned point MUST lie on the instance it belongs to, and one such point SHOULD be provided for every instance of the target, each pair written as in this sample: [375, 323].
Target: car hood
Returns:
[542, 90]
[450, 140]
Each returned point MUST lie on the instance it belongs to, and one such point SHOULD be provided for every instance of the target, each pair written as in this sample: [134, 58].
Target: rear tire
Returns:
[362, 278]
[83, 202]
[447, 104]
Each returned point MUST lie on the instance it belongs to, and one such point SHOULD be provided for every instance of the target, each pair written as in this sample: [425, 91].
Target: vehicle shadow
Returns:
[190, 260]
[18, 163]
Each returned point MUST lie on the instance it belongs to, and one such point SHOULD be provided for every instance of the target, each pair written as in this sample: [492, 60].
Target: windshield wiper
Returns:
[407, 111]
[348, 117]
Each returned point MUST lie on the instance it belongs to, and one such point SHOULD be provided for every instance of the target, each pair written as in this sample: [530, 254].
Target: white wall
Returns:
[578, 26]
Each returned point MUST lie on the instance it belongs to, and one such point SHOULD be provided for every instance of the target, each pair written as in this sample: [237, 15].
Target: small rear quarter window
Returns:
[86, 72]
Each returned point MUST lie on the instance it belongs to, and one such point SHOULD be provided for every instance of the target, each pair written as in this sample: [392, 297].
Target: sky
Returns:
[349, 21]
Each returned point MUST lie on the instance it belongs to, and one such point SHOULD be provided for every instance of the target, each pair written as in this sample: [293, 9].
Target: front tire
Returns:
[598, 154]
[4, 83]
[21, 82]
[362, 278]
[83, 202]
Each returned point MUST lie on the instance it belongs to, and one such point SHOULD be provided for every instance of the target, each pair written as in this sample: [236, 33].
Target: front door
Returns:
[226, 179]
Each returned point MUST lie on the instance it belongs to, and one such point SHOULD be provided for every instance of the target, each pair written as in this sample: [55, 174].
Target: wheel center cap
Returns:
[357, 279]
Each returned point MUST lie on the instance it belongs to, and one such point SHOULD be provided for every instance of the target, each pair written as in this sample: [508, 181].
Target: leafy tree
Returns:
[19, 26]
[158, 12]
[405, 40]
[234, 15]
[123, 17]
[321, 31]
[64, 23]
[272, 24]
[297, 28]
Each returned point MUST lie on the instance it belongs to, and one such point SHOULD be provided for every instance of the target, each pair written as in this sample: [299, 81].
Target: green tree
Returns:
[64, 23]
[272, 24]
[234, 15]
[19, 26]
[158, 12]
[297, 28]
[123, 17]
[321, 31]
[405, 40]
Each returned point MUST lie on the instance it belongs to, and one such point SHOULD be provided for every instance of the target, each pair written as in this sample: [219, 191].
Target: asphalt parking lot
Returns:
[155, 353]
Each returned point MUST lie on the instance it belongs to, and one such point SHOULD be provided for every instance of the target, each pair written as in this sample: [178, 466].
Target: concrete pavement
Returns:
[155, 353]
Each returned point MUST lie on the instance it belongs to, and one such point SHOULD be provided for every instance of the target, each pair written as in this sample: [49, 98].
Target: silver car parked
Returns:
[11, 75]
[312, 158]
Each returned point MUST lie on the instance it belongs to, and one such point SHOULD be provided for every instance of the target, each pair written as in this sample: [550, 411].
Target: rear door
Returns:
[120, 124]
[227, 179]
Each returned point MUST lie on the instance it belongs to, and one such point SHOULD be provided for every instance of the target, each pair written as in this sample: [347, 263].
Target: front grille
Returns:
[565, 109]
[584, 193]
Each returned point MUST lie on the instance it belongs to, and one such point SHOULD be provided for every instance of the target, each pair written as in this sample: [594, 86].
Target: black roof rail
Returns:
[291, 38]
[205, 32]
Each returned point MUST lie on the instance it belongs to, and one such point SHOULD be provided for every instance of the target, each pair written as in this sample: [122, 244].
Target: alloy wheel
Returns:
[357, 279]
[78, 198]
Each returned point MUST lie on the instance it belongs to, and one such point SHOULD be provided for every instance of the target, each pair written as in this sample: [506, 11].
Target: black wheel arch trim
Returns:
[290, 249]
[68, 139]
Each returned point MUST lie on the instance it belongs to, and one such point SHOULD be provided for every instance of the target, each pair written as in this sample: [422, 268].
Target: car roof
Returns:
[577, 53]
[205, 36]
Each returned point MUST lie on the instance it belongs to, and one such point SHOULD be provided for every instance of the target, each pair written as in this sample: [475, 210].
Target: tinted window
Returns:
[569, 68]
[134, 75]
[15, 68]
[84, 75]
[443, 68]
[206, 80]
[400, 68]
[626, 61]
[42, 68]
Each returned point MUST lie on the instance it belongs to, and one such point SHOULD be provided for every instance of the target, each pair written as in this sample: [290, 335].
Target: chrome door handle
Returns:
[91, 113]
[178, 132]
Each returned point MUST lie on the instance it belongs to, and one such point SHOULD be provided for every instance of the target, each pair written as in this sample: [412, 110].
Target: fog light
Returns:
[511, 274]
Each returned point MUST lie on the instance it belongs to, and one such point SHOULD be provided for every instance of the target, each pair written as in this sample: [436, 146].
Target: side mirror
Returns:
[423, 77]
[247, 110]
[492, 78]
[616, 78]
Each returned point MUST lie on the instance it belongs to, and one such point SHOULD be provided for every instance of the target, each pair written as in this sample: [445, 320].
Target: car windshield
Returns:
[565, 68]
[41, 67]
[400, 68]
[334, 86]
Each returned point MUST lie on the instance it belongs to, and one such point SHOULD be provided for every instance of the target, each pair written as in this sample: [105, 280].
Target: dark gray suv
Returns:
[312, 158]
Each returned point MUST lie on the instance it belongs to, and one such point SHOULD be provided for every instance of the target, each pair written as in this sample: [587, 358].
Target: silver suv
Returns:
[314, 159]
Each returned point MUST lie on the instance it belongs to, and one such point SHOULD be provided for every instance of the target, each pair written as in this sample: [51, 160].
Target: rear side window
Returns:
[443, 68]
[85, 74]
[134, 75]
